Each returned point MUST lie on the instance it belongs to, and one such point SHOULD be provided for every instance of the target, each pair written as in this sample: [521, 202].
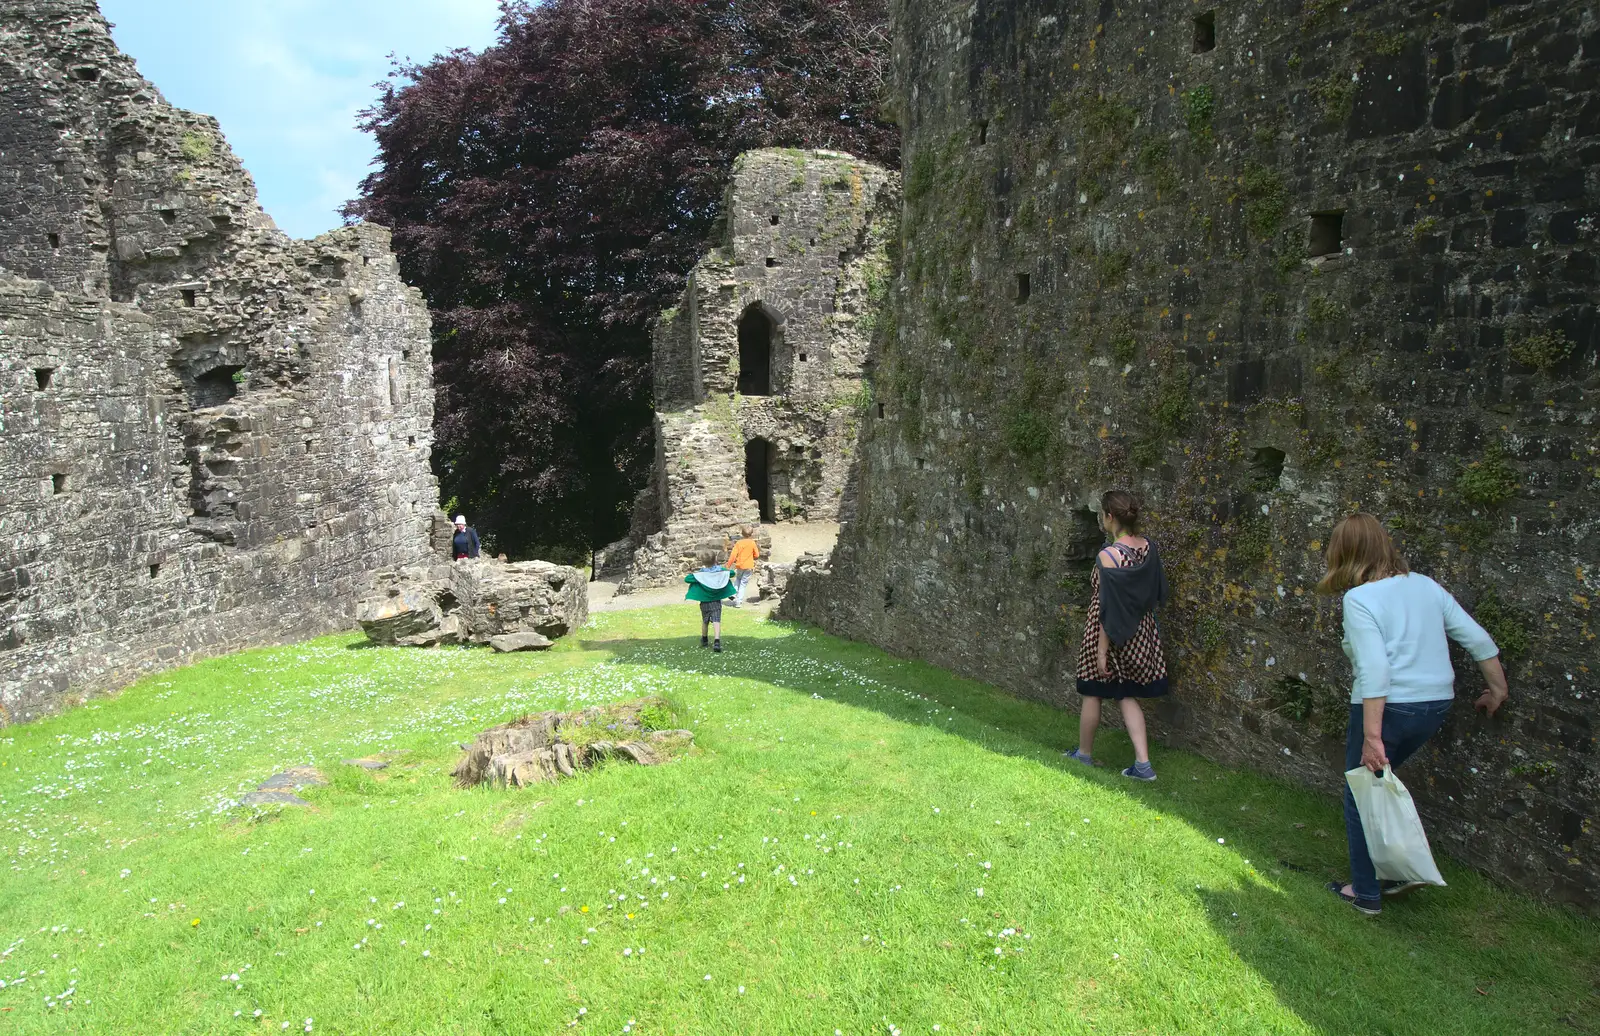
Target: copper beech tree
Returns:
[549, 195]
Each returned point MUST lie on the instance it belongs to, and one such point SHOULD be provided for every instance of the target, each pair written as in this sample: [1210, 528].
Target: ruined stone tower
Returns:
[758, 371]
[211, 433]
[1264, 262]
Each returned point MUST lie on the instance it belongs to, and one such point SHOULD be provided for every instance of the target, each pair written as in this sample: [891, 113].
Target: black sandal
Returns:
[1372, 908]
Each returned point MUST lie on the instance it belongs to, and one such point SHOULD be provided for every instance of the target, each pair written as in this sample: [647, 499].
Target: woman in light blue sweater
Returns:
[1395, 625]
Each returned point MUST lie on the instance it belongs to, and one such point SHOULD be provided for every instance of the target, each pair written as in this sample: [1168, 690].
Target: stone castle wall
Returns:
[211, 434]
[1264, 263]
[805, 249]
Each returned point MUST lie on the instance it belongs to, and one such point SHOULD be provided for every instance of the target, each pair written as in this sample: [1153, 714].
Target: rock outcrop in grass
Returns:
[544, 747]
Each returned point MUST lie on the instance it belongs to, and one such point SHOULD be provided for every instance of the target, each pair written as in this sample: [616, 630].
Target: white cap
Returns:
[461, 519]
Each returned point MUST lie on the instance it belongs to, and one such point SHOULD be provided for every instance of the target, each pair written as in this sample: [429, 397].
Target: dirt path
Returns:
[789, 541]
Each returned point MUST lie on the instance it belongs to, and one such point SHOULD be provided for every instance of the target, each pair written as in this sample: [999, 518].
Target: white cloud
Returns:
[287, 79]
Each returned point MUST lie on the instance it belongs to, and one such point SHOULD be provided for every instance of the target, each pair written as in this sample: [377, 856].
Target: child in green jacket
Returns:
[711, 584]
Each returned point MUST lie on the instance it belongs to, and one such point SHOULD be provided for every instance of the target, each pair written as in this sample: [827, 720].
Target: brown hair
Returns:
[706, 557]
[744, 530]
[1360, 551]
[1124, 507]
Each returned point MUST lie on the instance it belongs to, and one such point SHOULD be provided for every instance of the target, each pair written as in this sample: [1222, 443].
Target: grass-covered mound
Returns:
[856, 843]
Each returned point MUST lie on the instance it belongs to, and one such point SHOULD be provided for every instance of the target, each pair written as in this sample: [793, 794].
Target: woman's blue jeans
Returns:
[1406, 728]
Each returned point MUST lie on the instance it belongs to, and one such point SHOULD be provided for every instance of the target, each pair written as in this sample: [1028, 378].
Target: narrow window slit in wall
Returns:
[771, 261]
[42, 376]
[411, 440]
[169, 216]
[888, 597]
[188, 297]
[802, 357]
[1024, 287]
[306, 448]
[55, 240]
[1327, 234]
[774, 219]
[155, 570]
[1266, 467]
[844, 258]
[58, 484]
[880, 409]
[980, 131]
[1205, 32]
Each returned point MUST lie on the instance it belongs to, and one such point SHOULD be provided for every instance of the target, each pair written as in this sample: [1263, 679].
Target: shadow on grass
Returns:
[1494, 960]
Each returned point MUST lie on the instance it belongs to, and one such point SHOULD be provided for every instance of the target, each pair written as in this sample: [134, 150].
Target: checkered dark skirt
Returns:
[1138, 668]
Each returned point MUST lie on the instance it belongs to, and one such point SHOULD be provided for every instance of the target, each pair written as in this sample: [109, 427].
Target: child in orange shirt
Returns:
[742, 560]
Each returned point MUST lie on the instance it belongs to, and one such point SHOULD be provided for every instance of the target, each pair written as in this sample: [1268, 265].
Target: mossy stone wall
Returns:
[1345, 259]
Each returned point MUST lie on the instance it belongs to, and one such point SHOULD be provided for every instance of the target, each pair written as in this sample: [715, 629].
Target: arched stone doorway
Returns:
[758, 454]
[756, 332]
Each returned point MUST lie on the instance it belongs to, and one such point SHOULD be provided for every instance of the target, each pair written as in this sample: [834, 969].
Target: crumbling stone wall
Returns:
[1263, 263]
[799, 276]
[211, 434]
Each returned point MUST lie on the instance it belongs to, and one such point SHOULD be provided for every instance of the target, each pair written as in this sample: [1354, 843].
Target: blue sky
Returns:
[287, 77]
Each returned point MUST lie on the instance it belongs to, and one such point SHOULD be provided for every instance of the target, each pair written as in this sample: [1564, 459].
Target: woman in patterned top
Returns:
[1120, 656]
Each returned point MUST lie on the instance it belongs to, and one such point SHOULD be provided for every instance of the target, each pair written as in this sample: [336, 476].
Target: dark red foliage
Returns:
[548, 197]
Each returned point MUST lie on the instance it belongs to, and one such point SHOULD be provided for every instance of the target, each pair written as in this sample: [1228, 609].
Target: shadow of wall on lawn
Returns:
[1311, 948]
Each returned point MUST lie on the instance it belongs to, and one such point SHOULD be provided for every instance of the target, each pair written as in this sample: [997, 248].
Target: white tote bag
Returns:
[1395, 838]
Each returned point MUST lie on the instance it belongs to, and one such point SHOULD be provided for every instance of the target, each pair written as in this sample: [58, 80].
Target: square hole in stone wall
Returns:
[169, 216]
[58, 484]
[1024, 287]
[771, 262]
[155, 570]
[1327, 234]
[1266, 467]
[774, 219]
[802, 357]
[188, 296]
[1205, 32]
[42, 376]
[54, 239]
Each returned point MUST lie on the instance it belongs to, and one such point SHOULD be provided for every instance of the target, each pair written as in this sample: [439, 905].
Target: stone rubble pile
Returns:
[546, 746]
[511, 606]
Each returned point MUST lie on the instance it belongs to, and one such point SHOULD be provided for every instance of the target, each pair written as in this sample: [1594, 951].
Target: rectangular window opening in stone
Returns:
[1024, 287]
[169, 216]
[155, 570]
[1205, 32]
[86, 74]
[188, 297]
[393, 381]
[980, 131]
[61, 168]
[758, 457]
[55, 240]
[223, 221]
[216, 386]
[771, 262]
[58, 484]
[888, 597]
[880, 410]
[42, 376]
[921, 463]
[411, 440]
[1266, 467]
[306, 447]
[1327, 234]
[774, 219]
[755, 353]
[844, 258]
[802, 357]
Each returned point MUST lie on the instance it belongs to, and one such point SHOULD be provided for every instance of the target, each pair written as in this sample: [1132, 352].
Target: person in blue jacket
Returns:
[464, 544]
[710, 584]
[1397, 624]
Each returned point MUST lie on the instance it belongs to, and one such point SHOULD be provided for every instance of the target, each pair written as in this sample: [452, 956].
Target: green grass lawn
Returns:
[860, 845]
